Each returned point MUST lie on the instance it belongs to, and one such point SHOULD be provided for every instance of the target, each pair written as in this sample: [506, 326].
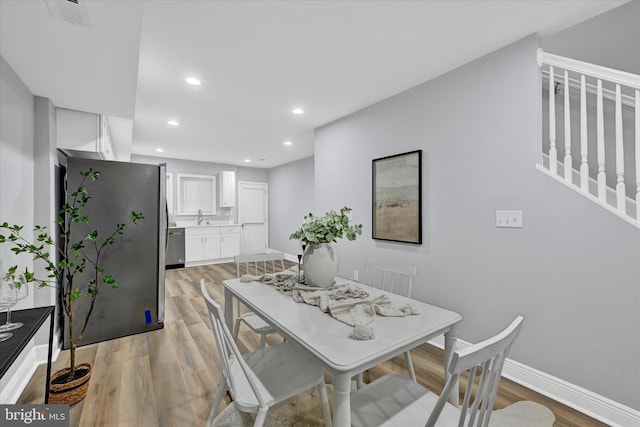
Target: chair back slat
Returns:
[228, 351]
[486, 359]
[259, 264]
[391, 277]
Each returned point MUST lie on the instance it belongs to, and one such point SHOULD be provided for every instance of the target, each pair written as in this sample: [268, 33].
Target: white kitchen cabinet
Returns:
[82, 131]
[192, 247]
[201, 244]
[229, 241]
[211, 246]
[227, 189]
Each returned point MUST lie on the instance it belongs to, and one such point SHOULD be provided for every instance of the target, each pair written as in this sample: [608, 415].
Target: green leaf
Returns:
[328, 228]
[75, 294]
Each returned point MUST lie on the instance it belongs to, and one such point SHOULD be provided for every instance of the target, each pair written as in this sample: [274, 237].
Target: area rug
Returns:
[523, 414]
[307, 412]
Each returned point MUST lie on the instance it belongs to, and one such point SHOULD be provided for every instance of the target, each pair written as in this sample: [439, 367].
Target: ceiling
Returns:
[257, 61]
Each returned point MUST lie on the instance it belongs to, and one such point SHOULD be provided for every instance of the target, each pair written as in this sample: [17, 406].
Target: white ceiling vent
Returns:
[74, 11]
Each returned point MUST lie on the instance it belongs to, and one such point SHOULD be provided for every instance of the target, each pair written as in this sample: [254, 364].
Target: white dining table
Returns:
[328, 339]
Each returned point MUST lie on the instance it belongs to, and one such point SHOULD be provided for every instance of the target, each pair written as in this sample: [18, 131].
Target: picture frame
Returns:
[397, 197]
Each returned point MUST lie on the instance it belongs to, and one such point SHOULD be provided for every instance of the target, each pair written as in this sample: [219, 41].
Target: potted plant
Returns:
[73, 258]
[320, 259]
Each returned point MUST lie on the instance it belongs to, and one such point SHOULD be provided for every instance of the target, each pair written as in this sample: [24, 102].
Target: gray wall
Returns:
[17, 195]
[611, 39]
[252, 174]
[176, 166]
[290, 199]
[573, 271]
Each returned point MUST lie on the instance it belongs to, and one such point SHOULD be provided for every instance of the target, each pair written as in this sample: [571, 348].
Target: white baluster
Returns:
[620, 189]
[568, 166]
[584, 146]
[553, 151]
[637, 154]
[602, 178]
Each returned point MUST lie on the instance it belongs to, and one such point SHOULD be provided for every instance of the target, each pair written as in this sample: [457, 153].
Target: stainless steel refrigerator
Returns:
[137, 259]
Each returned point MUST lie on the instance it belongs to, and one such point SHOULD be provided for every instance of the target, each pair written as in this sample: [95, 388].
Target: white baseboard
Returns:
[36, 356]
[576, 397]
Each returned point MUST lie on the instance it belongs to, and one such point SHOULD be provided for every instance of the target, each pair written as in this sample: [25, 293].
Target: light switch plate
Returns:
[509, 219]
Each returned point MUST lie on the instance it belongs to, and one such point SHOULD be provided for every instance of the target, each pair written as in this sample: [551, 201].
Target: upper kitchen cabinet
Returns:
[82, 131]
[196, 193]
[227, 189]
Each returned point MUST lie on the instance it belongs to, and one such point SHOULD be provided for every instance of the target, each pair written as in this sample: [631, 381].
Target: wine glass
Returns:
[10, 292]
[4, 335]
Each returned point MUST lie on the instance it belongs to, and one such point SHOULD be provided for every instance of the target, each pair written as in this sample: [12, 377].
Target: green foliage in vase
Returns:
[73, 258]
[328, 228]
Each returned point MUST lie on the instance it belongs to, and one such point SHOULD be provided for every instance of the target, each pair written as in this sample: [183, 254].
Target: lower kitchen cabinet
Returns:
[202, 243]
[229, 241]
[210, 244]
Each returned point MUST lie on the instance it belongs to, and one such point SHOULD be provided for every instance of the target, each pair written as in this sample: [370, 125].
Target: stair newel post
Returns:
[637, 107]
[553, 151]
[602, 178]
[620, 188]
[568, 166]
[584, 146]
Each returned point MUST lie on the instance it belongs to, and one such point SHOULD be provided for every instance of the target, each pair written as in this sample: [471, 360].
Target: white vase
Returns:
[320, 264]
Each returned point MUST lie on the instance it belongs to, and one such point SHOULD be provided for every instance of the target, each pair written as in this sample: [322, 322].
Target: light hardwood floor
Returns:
[169, 377]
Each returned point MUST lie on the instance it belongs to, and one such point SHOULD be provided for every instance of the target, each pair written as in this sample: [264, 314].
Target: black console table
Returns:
[33, 318]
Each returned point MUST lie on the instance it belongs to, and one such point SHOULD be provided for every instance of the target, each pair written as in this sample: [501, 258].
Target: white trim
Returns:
[582, 400]
[593, 198]
[23, 373]
[600, 72]
[182, 179]
[288, 257]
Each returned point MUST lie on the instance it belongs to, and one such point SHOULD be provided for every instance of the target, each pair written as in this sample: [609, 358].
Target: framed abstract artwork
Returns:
[397, 197]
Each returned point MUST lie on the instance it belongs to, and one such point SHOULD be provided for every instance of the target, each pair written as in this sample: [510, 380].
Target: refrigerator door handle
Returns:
[163, 232]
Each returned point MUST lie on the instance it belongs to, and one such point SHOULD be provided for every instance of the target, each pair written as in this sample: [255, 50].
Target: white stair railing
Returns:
[589, 80]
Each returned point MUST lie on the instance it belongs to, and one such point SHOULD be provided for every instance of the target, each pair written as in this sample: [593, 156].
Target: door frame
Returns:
[265, 185]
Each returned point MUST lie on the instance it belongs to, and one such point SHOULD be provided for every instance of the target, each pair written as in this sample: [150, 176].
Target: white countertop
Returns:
[205, 223]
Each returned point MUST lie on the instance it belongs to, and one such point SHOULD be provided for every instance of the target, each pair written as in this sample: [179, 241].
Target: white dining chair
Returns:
[263, 378]
[394, 278]
[395, 400]
[256, 265]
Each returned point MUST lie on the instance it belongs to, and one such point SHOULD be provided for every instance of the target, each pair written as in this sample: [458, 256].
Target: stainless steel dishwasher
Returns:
[175, 248]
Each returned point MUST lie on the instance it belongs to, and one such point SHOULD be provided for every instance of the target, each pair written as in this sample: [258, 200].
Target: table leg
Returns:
[450, 339]
[49, 354]
[341, 400]
[228, 309]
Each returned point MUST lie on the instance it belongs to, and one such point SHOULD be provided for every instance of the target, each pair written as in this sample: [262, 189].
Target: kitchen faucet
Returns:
[200, 218]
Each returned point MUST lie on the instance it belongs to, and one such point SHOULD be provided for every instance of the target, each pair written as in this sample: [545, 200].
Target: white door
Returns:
[252, 217]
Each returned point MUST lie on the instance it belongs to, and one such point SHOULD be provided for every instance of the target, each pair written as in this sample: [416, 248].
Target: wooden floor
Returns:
[169, 377]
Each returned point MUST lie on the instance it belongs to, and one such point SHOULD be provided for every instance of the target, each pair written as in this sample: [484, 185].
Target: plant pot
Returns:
[69, 393]
[320, 264]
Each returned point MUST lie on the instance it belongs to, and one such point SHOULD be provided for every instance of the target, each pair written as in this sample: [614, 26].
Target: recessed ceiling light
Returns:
[288, 143]
[192, 81]
[297, 111]
[247, 160]
[173, 123]
[160, 150]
